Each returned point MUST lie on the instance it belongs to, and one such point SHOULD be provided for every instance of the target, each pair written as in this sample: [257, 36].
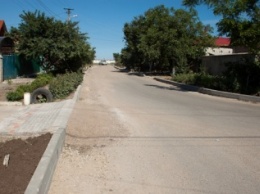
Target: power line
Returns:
[47, 9]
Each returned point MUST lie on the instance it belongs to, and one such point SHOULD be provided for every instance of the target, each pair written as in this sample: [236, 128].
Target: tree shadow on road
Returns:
[182, 88]
[175, 88]
[127, 72]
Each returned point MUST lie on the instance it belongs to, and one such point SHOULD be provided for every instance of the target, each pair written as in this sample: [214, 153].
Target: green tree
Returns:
[116, 57]
[164, 38]
[240, 20]
[56, 45]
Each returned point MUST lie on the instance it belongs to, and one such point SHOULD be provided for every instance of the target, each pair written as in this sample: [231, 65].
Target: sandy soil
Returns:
[24, 156]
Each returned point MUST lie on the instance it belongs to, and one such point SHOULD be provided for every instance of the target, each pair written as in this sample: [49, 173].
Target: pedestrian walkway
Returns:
[37, 118]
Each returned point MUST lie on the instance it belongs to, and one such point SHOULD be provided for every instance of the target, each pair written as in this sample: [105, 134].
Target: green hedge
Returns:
[202, 80]
[64, 84]
[40, 81]
[240, 77]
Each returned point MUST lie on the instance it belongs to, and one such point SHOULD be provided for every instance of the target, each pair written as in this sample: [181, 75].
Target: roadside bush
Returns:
[202, 80]
[40, 81]
[243, 77]
[239, 78]
[64, 84]
[14, 96]
[210, 81]
[186, 78]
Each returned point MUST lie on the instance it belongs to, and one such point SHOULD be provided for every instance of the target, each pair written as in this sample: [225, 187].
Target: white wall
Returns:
[218, 51]
[96, 61]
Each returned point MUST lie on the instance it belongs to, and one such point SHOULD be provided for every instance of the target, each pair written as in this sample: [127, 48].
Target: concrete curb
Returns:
[42, 177]
[202, 90]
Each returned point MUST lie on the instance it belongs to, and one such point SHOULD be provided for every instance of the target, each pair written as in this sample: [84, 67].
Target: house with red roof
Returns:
[3, 28]
[222, 47]
[6, 43]
[222, 53]
[222, 42]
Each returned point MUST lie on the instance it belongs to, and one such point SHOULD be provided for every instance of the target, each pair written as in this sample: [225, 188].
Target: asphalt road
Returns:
[131, 134]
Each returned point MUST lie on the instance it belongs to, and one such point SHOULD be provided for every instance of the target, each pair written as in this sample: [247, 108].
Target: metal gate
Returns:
[10, 66]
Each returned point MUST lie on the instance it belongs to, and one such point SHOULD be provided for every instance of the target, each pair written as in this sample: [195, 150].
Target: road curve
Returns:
[131, 134]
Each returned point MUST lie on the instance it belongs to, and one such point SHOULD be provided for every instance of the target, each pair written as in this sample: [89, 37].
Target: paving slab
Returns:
[32, 119]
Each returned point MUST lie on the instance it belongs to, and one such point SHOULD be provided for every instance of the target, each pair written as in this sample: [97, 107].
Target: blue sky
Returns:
[103, 20]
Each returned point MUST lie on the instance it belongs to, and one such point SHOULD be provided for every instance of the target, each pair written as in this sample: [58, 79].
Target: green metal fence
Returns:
[15, 66]
[9, 67]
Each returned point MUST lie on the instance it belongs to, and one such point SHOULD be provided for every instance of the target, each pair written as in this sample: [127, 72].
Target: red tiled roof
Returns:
[221, 41]
[2, 28]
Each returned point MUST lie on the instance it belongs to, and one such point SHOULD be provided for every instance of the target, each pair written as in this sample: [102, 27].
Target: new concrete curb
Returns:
[202, 90]
[42, 177]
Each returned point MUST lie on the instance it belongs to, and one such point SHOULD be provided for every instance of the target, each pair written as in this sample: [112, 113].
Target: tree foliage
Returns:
[164, 38]
[240, 20]
[117, 57]
[56, 45]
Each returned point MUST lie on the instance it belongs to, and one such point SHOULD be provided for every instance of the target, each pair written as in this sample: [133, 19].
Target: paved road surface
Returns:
[130, 134]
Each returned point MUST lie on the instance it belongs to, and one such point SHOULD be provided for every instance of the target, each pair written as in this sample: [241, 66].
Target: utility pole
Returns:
[68, 12]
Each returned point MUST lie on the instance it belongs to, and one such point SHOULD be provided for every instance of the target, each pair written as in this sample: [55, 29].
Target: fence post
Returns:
[1, 68]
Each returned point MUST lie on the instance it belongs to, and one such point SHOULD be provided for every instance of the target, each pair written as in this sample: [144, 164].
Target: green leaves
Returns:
[240, 20]
[63, 85]
[163, 38]
[57, 45]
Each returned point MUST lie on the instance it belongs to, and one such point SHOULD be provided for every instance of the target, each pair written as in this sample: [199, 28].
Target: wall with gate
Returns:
[14, 66]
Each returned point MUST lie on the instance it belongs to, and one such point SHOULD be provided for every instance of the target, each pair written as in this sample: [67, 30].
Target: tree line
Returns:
[165, 38]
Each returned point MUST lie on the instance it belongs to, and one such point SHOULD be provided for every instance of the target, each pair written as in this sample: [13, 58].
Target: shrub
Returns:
[40, 81]
[63, 85]
[14, 96]
[202, 80]
[243, 76]
[188, 78]
[18, 93]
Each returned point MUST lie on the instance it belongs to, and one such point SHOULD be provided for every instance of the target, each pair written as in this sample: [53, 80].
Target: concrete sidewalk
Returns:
[36, 119]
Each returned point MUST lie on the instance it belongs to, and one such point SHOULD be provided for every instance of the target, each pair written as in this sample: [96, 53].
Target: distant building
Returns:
[97, 61]
[222, 53]
[222, 47]
[6, 43]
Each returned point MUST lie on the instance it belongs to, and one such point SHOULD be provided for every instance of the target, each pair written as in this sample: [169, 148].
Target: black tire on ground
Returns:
[41, 95]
